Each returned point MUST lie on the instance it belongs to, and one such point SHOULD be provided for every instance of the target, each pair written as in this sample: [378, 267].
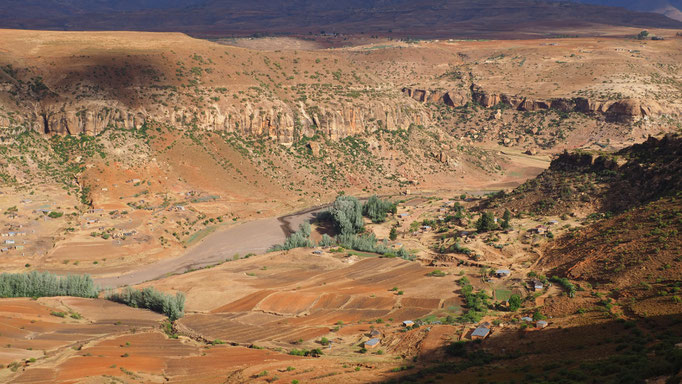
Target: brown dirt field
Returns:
[331, 301]
[385, 302]
[435, 340]
[246, 303]
[421, 302]
[287, 302]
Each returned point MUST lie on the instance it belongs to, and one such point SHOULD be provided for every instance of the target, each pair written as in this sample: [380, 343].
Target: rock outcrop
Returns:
[622, 111]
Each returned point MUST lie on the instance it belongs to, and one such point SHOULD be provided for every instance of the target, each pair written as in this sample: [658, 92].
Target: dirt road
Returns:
[250, 237]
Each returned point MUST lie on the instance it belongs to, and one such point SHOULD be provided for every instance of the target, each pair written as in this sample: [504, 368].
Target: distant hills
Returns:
[428, 18]
[669, 8]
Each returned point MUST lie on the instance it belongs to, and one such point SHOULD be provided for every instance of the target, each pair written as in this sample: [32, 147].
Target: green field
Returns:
[502, 294]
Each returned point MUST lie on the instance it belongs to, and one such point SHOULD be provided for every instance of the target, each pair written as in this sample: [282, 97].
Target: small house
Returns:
[317, 252]
[5, 249]
[540, 230]
[19, 247]
[480, 333]
[403, 215]
[541, 324]
[552, 222]
[537, 285]
[408, 323]
[375, 333]
[527, 319]
[9, 242]
[372, 343]
[426, 227]
[502, 273]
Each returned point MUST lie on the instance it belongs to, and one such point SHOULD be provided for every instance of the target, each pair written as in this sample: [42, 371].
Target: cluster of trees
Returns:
[564, 282]
[150, 298]
[346, 213]
[41, 284]
[298, 239]
[486, 222]
[477, 302]
[377, 209]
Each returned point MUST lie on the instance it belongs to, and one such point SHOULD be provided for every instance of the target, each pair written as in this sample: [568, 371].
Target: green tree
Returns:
[505, 219]
[394, 234]
[643, 35]
[376, 209]
[326, 241]
[514, 303]
[486, 222]
[346, 213]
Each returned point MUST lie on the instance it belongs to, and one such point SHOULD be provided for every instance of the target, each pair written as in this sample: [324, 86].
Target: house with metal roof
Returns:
[372, 343]
[502, 273]
[480, 333]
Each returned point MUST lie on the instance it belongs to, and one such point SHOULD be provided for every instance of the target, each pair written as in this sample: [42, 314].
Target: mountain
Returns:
[430, 18]
[669, 8]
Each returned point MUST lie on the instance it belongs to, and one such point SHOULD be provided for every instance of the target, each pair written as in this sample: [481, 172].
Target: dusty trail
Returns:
[252, 237]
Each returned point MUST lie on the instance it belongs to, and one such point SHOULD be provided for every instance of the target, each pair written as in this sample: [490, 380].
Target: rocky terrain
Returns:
[529, 188]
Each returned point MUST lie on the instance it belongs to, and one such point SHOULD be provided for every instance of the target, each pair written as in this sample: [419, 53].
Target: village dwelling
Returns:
[540, 230]
[375, 333]
[541, 324]
[502, 273]
[408, 323]
[480, 333]
[527, 319]
[537, 285]
[372, 343]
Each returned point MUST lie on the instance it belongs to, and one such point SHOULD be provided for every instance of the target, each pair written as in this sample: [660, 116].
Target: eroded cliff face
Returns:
[620, 111]
[275, 119]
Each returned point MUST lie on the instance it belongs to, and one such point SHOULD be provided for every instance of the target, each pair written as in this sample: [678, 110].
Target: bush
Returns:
[326, 241]
[437, 273]
[505, 219]
[55, 215]
[298, 239]
[564, 282]
[393, 234]
[150, 298]
[41, 284]
[514, 303]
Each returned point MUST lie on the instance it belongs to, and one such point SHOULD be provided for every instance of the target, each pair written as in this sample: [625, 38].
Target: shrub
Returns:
[150, 298]
[514, 303]
[55, 215]
[564, 282]
[298, 239]
[326, 241]
[41, 284]
[437, 273]
[505, 219]
[393, 234]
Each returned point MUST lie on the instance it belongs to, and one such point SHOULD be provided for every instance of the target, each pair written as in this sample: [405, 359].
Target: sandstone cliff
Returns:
[622, 111]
